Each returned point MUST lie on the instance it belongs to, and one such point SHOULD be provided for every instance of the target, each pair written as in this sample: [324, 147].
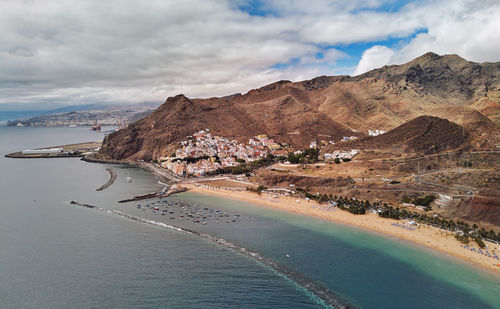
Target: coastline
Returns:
[426, 236]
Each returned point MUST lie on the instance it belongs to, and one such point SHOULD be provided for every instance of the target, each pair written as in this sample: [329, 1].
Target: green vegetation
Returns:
[281, 158]
[336, 160]
[194, 160]
[462, 238]
[307, 156]
[424, 201]
[258, 190]
[421, 201]
[479, 242]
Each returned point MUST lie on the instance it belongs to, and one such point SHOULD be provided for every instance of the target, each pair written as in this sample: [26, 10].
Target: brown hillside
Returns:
[286, 120]
[423, 135]
[327, 108]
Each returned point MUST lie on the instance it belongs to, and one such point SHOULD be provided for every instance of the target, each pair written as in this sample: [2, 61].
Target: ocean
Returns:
[57, 255]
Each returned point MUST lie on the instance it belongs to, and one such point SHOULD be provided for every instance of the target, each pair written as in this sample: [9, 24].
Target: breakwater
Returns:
[139, 197]
[82, 204]
[317, 292]
[112, 179]
[155, 194]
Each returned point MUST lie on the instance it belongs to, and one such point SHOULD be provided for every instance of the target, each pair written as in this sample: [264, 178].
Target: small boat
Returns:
[287, 255]
[128, 178]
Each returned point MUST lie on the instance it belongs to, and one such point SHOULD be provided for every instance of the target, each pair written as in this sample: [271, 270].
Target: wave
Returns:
[318, 293]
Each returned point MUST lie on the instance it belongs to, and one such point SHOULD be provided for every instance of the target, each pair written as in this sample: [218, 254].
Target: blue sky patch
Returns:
[256, 8]
[354, 51]
[388, 7]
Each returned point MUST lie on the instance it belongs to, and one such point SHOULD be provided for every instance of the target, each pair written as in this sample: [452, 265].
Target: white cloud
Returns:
[128, 50]
[373, 58]
[470, 29]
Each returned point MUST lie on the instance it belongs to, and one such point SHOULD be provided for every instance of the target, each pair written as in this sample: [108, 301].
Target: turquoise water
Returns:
[54, 255]
[357, 264]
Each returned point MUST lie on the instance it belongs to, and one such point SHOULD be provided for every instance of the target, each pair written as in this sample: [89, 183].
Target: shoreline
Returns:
[425, 236]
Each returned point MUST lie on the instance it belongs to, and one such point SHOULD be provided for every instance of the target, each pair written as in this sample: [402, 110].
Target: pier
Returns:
[62, 151]
[173, 190]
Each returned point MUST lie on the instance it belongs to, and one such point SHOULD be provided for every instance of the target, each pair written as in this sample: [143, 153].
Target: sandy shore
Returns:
[426, 236]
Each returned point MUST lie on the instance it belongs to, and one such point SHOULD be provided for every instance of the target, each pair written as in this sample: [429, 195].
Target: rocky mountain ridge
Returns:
[329, 107]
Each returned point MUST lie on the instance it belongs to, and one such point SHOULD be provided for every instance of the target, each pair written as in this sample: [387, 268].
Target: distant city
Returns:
[107, 117]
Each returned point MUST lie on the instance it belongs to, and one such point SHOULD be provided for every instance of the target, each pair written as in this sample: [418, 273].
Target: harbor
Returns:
[91, 244]
[62, 151]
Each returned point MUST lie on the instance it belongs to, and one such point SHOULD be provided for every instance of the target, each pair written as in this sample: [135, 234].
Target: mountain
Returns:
[288, 121]
[423, 135]
[329, 107]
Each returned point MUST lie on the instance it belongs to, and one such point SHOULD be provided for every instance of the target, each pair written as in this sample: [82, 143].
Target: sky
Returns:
[61, 52]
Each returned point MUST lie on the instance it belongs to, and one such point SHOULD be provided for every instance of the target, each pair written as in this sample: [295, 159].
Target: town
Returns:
[203, 153]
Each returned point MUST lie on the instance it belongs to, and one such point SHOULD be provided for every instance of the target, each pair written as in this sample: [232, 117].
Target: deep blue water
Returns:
[54, 255]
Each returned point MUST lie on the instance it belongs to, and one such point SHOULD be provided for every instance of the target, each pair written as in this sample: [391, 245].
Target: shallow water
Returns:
[55, 255]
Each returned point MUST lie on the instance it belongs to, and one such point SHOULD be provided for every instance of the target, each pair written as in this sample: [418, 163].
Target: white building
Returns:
[43, 151]
[375, 132]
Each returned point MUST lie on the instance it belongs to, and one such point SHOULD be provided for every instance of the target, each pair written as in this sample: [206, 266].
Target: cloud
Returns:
[373, 58]
[133, 51]
[470, 29]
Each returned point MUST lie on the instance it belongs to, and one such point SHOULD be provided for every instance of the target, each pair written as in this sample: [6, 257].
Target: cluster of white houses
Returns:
[341, 154]
[216, 152]
[315, 144]
[376, 132]
[202, 153]
[348, 138]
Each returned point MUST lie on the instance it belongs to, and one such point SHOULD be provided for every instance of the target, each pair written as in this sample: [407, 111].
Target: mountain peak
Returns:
[427, 56]
[431, 57]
